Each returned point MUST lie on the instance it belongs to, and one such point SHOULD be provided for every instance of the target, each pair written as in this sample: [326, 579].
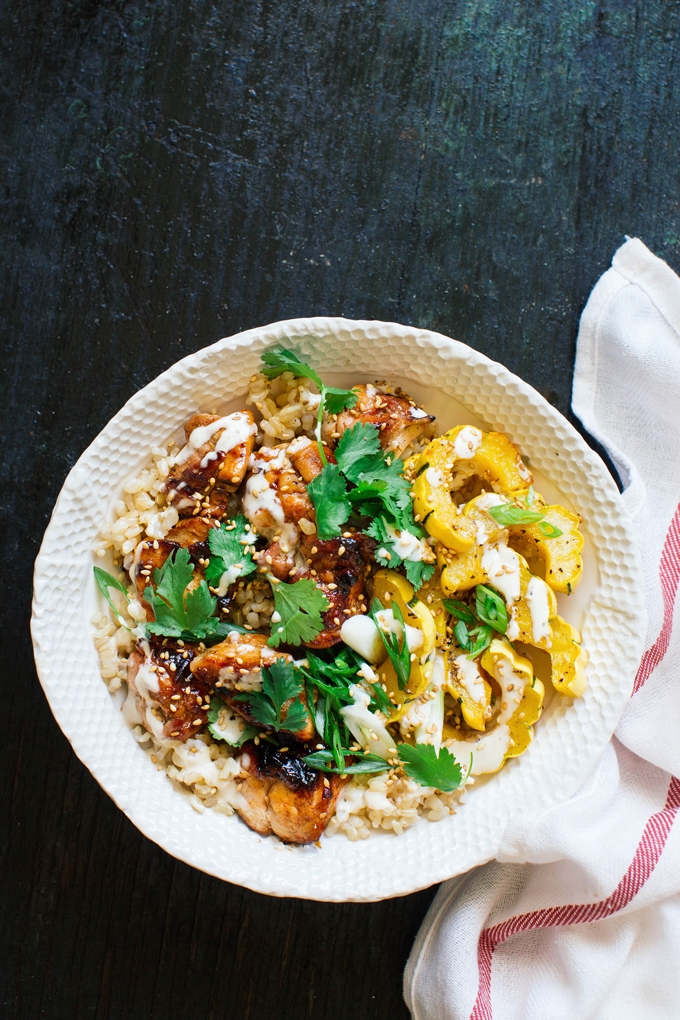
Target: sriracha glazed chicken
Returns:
[314, 628]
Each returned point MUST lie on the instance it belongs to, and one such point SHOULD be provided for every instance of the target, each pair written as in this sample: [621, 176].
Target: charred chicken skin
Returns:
[339, 568]
[172, 702]
[283, 795]
[398, 419]
[212, 464]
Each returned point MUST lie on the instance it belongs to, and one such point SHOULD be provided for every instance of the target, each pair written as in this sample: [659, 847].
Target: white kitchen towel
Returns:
[579, 917]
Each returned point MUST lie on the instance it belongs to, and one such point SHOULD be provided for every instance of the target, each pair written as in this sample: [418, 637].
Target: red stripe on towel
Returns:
[648, 851]
[669, 575]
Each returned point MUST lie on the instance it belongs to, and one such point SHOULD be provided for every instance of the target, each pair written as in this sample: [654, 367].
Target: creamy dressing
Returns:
[538, 601]
[146, 684]
[488, 499]
[229, 725]
[512, 633]
[523, 471]
[482, 533]
[467, 442]
[227, 579]
[501, 565]
[434, 477]
[425, 715]
[236, 429]
[489, 749]
[469, 677]
[406, 545]
[259, 495]
[298, 444]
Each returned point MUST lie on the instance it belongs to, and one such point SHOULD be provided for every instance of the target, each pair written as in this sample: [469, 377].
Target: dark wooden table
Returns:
[176, 172]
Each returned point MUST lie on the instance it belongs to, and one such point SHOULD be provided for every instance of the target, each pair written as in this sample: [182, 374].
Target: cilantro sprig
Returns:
[422, 763]
[297, 615]
[229, 551]
[181, 611]
[281, 682]
[278, 360]
[476, 623]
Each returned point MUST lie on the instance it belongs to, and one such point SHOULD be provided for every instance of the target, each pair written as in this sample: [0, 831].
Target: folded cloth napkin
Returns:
[579, 916]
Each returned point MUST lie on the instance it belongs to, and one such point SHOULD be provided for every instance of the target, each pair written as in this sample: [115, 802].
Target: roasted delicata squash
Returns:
[390, 587]
[557, 555]
[468, 686]
[521, 702]
[568, 659]
[447, 464]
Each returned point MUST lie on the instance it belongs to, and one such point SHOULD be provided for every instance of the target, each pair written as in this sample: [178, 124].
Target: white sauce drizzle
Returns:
[489, 749]
[388, 623]
[501, 565]
[488, 499]
[406, 545]
[236, 429]
[538, 601]
[467, 442]
[469, 677]
[434, 477]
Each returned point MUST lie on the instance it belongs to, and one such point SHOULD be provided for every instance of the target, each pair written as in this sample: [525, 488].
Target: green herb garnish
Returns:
[328, 493]
[395, 646]
[490, 608]
[507, 514]
[476, 623]
[217, 706]
[422, 763]
[278, 360]
[321, 762]
[181, 612]
[104, 582]
[229, 551]
[281, 682]
[299, 606]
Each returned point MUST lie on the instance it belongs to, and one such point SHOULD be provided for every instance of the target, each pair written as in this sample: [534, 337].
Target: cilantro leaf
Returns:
[278, 360]
[104, 582]
[281, 682]
[299, 606]
[337, 400]
[491, 609]
[180, 612]
[355, 445]
[220, 731]
[321, 762]
[328, 493]
[229, 548]
[422, 763]
[508, 514]
[418, 572]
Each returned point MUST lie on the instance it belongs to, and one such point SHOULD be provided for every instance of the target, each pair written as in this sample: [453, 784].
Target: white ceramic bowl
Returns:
[458, 385]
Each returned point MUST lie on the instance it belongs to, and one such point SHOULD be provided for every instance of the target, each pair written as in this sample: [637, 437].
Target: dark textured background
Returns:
[176, 172]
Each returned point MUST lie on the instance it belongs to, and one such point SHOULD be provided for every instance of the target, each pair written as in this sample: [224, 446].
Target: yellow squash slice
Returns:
[510, 733]
[445, 466]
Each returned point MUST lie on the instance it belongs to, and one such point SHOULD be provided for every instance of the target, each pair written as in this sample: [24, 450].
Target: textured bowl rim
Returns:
[355, 876]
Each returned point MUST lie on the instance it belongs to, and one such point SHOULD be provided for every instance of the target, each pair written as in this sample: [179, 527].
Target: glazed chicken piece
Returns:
[235, 665]
[212, 464]
[172, 703]
[304, 455]
[399, 421]
[151, 554]
[275, 497]
[283, 795]
[339, 568]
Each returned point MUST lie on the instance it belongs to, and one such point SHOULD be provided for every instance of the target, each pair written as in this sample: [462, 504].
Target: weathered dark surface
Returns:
[175, 172]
